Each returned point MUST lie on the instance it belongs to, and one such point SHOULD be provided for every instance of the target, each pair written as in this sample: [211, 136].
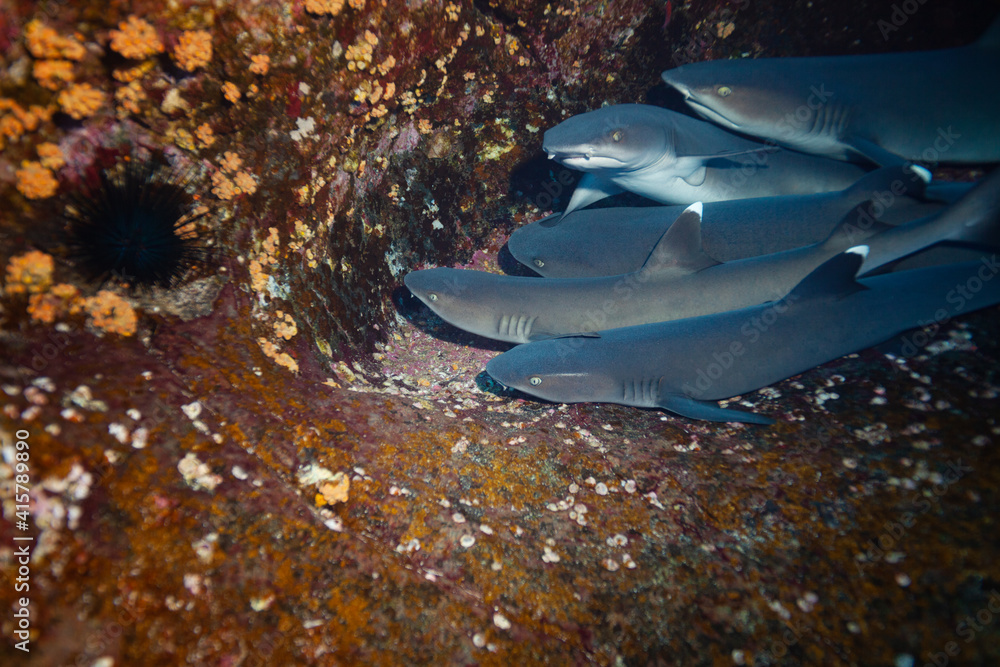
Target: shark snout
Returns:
[674, 79]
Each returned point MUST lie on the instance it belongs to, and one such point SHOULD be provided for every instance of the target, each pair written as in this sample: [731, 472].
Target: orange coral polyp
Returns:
[111, 313]
[81, 100]
[135, 39]
[53, 74]
[44, 42]
[194, 50]
[30, 273]
[35, 181]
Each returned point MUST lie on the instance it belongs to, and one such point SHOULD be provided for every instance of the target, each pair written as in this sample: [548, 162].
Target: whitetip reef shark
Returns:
[612, 241]
[684, 366]
[679, 279]
[675, 159]
[931, 106]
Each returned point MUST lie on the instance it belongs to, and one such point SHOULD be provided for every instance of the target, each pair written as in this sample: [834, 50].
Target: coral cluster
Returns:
[110, 312]
[35, 181]
[194, 50]
[30, 273]
[135, 39]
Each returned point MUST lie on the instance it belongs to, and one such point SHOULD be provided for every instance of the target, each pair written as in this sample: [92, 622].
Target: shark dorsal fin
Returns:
[679, 250]
[836, 277]
[859, 224]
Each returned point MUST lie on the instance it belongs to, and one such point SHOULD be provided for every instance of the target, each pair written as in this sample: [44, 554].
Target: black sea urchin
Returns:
[136, 225]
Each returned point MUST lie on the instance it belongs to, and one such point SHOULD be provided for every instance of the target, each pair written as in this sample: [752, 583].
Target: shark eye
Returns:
[539, 263]
[535, 380]
[617, 135]
[724, 91]
[432, 296]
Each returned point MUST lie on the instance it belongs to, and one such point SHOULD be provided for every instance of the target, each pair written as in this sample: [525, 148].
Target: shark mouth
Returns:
[585, 158]
[709, 113]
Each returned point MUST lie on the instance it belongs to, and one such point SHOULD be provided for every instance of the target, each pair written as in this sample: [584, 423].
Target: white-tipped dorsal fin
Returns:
[679, 251]
[836, 277]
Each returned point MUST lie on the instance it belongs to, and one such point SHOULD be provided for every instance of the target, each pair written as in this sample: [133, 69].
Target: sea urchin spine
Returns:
[136, 224]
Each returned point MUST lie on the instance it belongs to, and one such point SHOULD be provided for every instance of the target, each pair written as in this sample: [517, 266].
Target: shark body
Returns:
[678, 280]
[612, 241]
[684, 366]
[675, 159]
[930, 106]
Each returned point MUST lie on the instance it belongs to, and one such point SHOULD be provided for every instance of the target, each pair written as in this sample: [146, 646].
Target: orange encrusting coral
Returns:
[205, 135]
[110, 312]
[57, 302]
[29, 273]
[359, 54]
[129, 97]
[245, 182]
[329, 7]
[44, 42]
[51, 155]
[81, 100]
[35, 181]
[230, 161]
[231, 92]
[260, 64]
[194, 50]
[280, 358]
[52, 74]
[135, 39]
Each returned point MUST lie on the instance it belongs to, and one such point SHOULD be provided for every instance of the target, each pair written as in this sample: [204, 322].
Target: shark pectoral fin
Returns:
[709, 411]
[545, 335]
[693, 169]
[679, 251]
[836, 277]
[590, 189]
[873, 152]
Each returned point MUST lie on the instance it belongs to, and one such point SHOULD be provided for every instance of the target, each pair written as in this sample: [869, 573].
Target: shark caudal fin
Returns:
[855, 227]
[976, 216]
[897, 180]
[834, 278]
[872, 152]
[679, 251]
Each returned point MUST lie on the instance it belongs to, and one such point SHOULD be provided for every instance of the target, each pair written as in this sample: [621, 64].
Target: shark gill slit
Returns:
[515, 326]
[829, 121]
[646, 390]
